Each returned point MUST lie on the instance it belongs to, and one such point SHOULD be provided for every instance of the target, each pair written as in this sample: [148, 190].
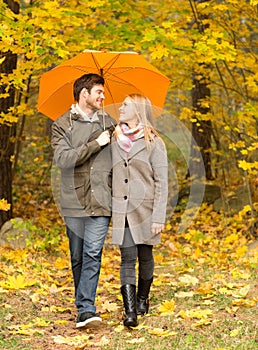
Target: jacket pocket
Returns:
[101, 185]
[73, 192]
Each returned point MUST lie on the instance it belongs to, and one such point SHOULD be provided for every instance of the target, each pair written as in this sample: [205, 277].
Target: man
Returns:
[81, 143]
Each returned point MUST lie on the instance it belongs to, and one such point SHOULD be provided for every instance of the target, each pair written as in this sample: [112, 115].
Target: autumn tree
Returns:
[223, 56]
[7, 130]
[201, 128]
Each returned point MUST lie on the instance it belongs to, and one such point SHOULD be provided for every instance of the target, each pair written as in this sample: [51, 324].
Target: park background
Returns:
[205, 289]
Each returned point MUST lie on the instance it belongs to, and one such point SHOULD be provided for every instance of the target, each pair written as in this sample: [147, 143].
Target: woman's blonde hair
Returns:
[144, 114]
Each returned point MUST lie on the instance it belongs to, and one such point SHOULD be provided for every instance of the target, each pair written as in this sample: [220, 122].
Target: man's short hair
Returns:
[86, 81]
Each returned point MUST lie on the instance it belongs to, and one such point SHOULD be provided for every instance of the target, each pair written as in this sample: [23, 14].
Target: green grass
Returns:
[7, 340]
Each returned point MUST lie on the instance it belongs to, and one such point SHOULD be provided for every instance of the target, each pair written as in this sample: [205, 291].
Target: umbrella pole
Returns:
[103, 117]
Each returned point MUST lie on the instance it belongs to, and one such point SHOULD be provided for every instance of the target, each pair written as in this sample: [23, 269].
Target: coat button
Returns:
[125, 197]
[126, 180]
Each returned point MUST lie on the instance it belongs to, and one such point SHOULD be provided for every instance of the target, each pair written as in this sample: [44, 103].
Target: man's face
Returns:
[94, 99]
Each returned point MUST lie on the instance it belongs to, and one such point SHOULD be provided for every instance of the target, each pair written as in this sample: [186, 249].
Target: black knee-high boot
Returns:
[129, 298]
[143, 296]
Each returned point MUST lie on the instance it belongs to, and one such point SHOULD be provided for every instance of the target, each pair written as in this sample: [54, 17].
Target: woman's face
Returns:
[128, 112]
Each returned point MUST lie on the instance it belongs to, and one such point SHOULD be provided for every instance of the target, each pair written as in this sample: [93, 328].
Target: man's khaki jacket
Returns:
[86, 167]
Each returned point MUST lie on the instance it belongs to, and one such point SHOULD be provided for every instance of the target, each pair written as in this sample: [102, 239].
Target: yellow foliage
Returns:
[4, 205]
[243, 164]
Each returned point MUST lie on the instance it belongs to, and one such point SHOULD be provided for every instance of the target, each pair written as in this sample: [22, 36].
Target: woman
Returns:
[139, 200]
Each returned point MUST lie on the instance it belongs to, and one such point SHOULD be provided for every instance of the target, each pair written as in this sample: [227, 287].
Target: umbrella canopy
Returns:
[124, 73]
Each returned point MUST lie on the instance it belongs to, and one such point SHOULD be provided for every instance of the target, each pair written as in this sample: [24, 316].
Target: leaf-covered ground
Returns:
[204, 294]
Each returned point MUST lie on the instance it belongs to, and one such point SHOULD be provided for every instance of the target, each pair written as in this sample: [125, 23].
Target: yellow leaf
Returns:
[160, 332]
[225, 291]
[136, 341]
[208, 302]
[2, 59]
[35, 297]
[59, 309]
[40, 322]
[16, 256]
[246, 165]
[61, 264]
[234, 332]
[195, 313]
[4, 205]
[205, 288]
[168, 226]
[119, 328]
[60, 322]
[184, 294]
[167, 307]
[19, 282]
[188, 279]
[242, 292]
[29, 332]
[77, 340]
[244, 302]
[202, 322]
[232, 310]
[109, 306]
[241, 251]
[158, 51]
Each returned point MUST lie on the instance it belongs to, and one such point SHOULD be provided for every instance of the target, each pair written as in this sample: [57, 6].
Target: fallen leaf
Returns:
[110, 306]
[202, 322]
[234, 332]
[188, 280]
[160, 332]
[167, 307]
[184, 294]
[136, 341]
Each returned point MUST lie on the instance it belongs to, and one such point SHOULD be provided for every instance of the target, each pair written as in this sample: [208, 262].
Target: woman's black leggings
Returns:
[129, 256]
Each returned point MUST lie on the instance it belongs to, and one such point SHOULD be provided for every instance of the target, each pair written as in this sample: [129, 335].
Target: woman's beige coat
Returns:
[139, 190]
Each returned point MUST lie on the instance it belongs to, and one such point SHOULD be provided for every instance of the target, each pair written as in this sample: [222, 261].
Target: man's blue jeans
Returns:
[86, 239]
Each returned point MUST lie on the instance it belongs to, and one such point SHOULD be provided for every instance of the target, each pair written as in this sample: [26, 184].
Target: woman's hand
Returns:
[157, 228]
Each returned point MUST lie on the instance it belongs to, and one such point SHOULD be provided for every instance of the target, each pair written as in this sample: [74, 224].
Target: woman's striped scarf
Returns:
[126, 136]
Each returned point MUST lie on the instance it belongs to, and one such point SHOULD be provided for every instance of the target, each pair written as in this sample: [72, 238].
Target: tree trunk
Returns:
[7, 132]
[201, 129]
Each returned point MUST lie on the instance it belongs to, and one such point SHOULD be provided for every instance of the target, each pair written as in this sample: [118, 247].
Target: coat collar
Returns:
[138, 146]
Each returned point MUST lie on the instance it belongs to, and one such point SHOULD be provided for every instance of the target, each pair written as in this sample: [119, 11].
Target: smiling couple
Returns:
[110, 169]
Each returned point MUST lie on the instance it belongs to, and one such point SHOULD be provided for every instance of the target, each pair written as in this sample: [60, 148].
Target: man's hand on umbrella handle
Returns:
[104, 138]
[157, 228]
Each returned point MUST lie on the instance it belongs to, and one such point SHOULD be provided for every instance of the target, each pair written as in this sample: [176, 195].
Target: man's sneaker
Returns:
[88, 319]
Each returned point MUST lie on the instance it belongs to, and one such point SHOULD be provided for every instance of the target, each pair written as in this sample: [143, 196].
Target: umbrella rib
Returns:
[97, 65]
[112, 62]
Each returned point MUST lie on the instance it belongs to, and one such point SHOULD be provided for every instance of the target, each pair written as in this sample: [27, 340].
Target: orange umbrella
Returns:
[124, 73]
